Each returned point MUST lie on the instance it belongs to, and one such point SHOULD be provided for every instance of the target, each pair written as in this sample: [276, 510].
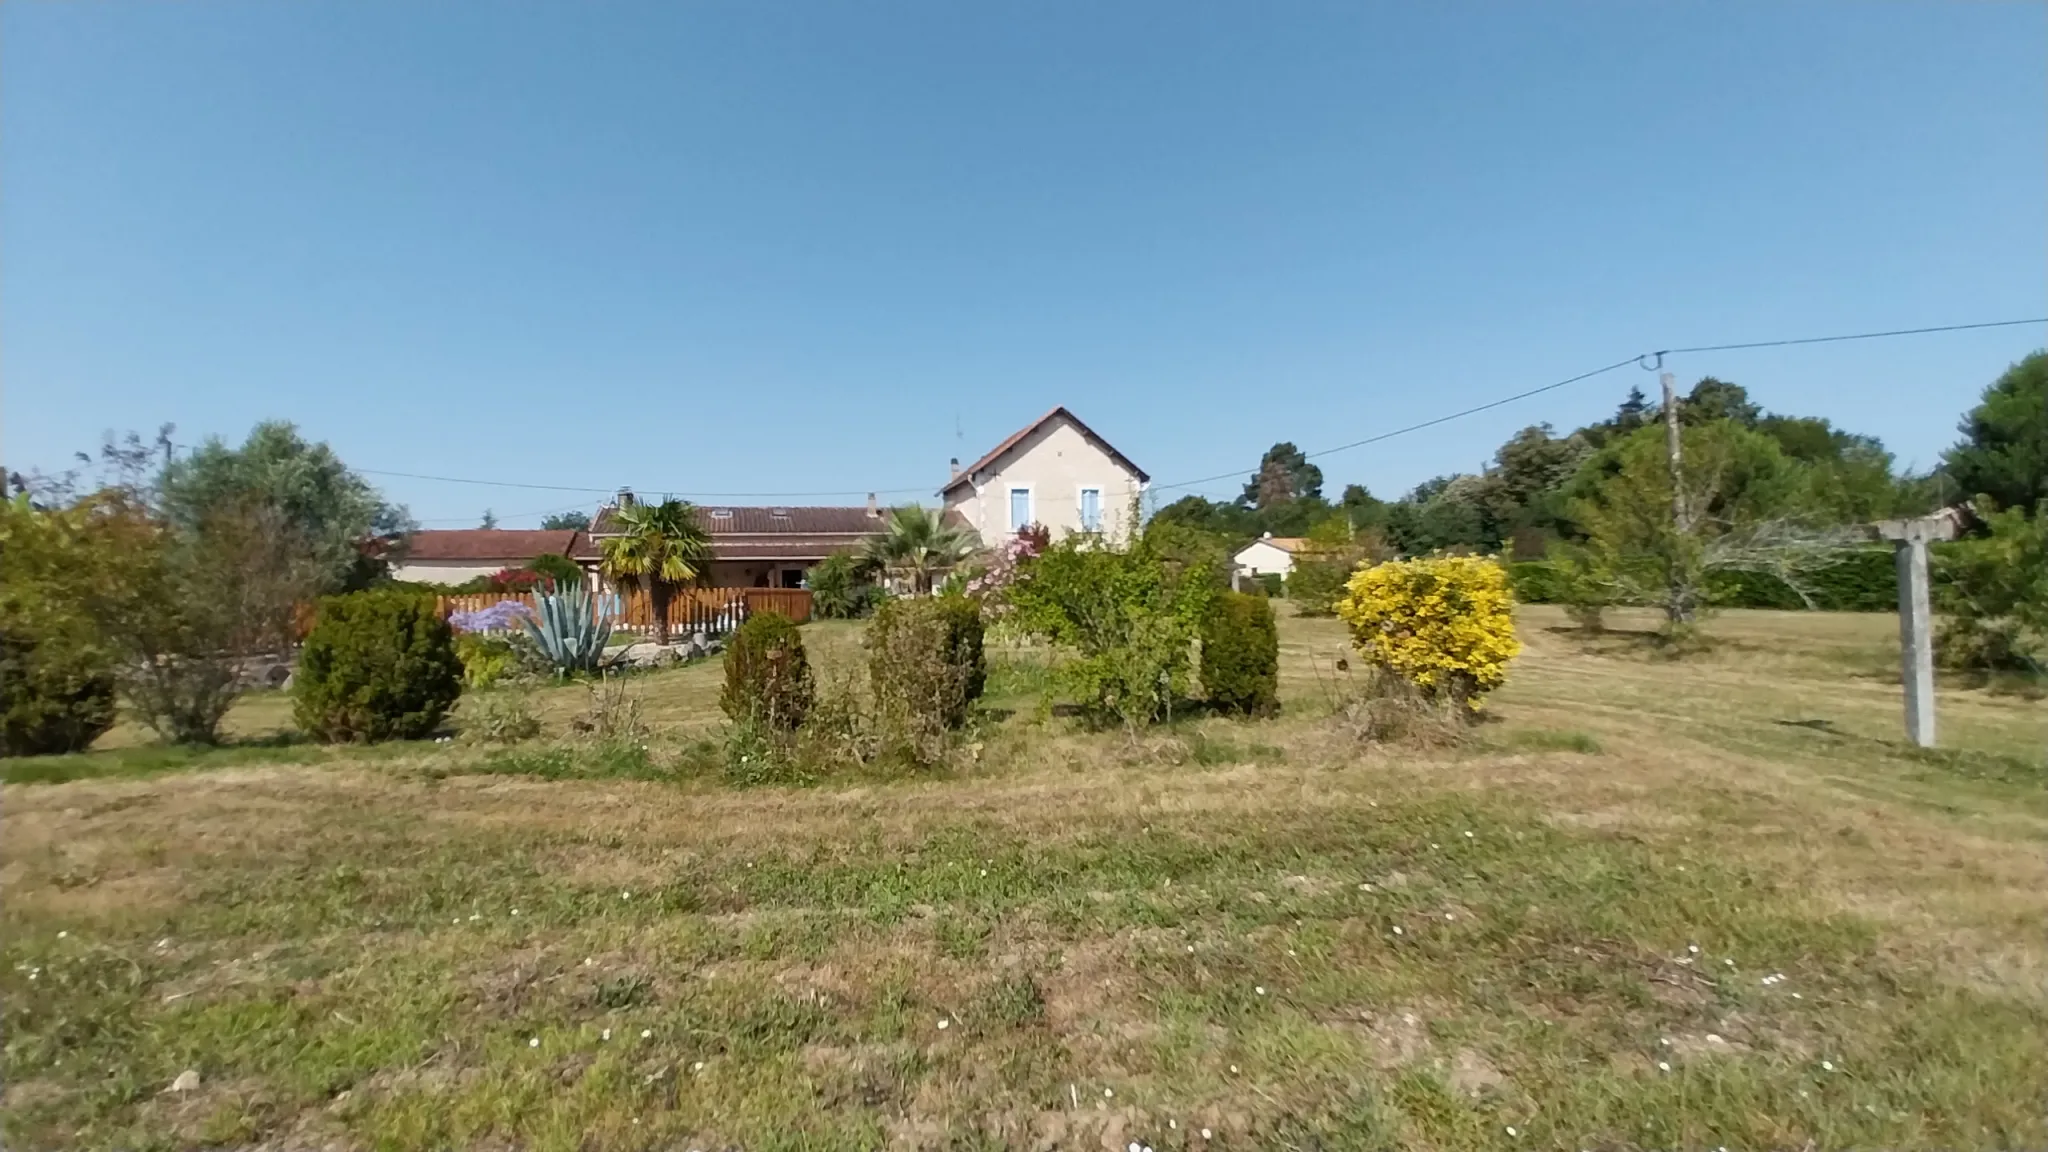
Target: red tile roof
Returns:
[1018, 436]
[511, 546]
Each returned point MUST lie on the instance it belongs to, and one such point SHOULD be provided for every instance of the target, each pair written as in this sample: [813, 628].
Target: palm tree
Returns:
[918, 545]
[660, 547]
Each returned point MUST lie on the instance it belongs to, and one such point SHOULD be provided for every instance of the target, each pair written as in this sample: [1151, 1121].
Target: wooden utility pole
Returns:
[1673, 451]
[1916, 627]
[1678, 607]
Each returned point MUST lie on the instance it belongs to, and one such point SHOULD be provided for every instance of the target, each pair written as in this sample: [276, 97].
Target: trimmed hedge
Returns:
[1865, 581]
[1241, 655]
[378, 665]
[767, 674]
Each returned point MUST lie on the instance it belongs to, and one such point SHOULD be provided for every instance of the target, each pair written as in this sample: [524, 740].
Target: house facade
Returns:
[759, 547]
[456, 556]
[1055, 471]
[1269, 555]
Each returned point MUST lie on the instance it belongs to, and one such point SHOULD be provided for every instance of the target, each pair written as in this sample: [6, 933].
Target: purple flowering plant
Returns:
[504, 616]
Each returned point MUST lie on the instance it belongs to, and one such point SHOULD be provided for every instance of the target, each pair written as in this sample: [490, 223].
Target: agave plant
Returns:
[569, 630]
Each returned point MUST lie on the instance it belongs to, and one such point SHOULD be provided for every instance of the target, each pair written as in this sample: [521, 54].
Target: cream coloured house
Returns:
[1269, 555]
[1054, 471]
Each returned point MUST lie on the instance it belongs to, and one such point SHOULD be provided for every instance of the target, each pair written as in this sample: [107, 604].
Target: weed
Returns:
[500, 717]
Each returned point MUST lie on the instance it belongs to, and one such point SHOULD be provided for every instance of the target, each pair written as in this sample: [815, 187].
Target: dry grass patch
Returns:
[1634, 909]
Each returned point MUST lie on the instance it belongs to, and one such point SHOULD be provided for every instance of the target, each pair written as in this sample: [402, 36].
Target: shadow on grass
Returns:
[1544, 740]
[155, 759]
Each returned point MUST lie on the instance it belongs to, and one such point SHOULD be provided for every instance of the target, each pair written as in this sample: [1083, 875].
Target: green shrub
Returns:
[767, 675]
[965, 631]
[1992, 595]
[1538, 582]
[1269, 584]
[1315, 585]
[1127, 612]
[378, 665]
[1241, 655]
[926, 667]
[558, 568]
[53, 698]
[486, 659]
[841, 588]
[498, 718]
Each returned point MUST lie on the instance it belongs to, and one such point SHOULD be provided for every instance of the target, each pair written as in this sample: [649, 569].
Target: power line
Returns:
[1639, 360]
[1853, 336]
[647, 488]
[1417, 427]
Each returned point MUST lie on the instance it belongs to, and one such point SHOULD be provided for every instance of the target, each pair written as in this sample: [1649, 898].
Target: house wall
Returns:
[1261, 557]
[754, 573]
[449, 571]
[1055, 462]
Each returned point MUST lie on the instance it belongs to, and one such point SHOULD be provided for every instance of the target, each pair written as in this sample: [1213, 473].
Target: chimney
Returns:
[874, 508]
[955, 462]
[625, 498]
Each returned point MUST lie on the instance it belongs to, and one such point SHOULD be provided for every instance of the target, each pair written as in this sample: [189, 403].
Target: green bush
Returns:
[53, 698]
[1128, 614]
[965, 631]
[1992, 595]
[1316, 585]
[1269, 584]
[1241, 655]
[841, 588]
[926, 667]
[558, 568]
[767, 674]
[498, 718]
[1538, 582]
[486, 659]
[378, 665]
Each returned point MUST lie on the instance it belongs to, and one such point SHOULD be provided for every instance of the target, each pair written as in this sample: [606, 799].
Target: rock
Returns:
[651, 656]
[187, 1081]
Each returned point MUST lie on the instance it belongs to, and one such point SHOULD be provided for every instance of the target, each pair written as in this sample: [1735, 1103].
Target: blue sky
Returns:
[727, 247]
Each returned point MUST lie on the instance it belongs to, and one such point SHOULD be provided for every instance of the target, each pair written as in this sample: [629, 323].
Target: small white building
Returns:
[1269, 555]
[1054, 471]
[459, 555]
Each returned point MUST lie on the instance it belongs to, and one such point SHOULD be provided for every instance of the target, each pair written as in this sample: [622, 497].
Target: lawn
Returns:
[1651, 904]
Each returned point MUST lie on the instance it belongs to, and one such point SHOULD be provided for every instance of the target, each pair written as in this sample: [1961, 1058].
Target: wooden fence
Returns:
[712, 610]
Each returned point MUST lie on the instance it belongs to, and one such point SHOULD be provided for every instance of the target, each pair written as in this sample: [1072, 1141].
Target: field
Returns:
[1651, 904]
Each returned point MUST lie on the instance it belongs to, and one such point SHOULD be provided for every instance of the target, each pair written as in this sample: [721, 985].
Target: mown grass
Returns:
[1262, 930]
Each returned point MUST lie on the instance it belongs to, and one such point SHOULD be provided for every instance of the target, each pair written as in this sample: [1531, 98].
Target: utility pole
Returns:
[1673, 451]
[1916, 633]
[1678, 606]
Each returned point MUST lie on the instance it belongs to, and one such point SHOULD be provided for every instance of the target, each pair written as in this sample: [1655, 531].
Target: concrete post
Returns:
[1916, 625]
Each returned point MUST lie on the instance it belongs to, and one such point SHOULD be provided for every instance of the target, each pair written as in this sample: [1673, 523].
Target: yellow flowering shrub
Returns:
[1445, 625]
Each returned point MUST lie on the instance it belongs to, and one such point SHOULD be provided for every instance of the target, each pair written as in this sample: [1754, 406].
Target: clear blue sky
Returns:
[718, 247]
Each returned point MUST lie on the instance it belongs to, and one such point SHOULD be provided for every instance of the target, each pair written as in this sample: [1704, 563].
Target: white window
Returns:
[1020, 508]
[1091, 509]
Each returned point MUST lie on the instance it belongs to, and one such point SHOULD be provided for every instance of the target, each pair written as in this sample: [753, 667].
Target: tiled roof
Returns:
[769, 532]
[727, 520]
[1018, 436]
[513, 546]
